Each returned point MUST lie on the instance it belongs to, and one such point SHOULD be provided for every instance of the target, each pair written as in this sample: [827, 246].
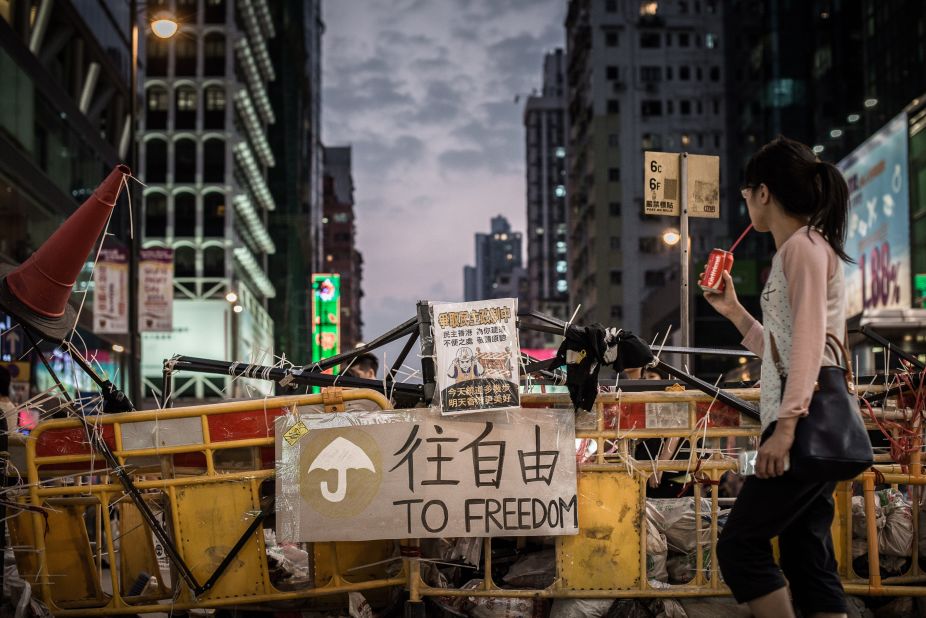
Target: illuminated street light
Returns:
[164, 27]
[869, 103]
[836, 133]
[238, 309]
[671, 237]
[853, 117]
[231, 297]
[818, 149]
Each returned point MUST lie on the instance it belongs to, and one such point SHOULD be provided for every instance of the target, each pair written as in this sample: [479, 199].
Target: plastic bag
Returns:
[680, 524]
[536, 570]
[496, 607]
[656, 548]
[580, 608]
[358, 606]
[894, 523]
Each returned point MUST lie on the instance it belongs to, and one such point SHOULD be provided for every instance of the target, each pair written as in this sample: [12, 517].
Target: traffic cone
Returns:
[37, 291]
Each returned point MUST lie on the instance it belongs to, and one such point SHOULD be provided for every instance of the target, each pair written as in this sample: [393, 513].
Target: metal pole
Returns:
[686, 248]
[135, 237]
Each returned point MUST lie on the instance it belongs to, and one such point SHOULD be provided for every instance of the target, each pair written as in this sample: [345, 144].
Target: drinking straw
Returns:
[742, 236]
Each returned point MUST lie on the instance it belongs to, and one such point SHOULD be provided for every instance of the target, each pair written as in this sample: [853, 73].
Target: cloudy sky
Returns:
[424, 91]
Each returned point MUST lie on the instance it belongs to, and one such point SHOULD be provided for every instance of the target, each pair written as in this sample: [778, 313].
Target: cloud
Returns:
[371, 93]
[462, 159]
[384, 155]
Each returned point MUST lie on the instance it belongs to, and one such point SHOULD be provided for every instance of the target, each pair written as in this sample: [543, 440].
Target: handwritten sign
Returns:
[478, 355]
[503, 474]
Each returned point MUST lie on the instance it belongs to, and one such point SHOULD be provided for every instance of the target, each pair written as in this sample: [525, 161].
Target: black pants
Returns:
[800, 515]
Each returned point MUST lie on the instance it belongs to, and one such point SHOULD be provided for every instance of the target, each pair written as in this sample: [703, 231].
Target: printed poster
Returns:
[359, 476]
[156, 290]
[878, 238]
[477, 355]
[111, 292]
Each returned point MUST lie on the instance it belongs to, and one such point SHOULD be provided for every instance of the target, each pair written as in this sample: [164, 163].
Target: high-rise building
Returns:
[498, 272]
[204, 157]
[545, 147]
[641, 75]
[64, 124]
[341, 254]
[295, 181]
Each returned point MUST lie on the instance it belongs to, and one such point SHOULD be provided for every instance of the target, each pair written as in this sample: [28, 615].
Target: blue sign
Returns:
[878, 238]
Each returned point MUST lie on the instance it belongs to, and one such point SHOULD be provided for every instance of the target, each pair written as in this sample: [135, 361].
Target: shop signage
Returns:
[111, 292]
[156, 290]
[508, 474]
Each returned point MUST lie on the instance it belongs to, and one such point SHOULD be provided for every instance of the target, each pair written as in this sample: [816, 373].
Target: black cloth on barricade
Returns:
[586, 348]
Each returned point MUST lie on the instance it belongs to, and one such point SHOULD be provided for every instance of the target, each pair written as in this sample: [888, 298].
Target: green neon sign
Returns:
[326, 315]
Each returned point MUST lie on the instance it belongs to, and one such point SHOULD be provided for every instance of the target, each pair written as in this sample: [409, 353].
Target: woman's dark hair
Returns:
[804, 186]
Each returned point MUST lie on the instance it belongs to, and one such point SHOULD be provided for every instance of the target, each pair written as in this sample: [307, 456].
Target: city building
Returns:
[545, 147]
[64, 124]
[295, 181]
[499, 272]
[829, 74]
[340, 241]
[641, 76]
[204, 154]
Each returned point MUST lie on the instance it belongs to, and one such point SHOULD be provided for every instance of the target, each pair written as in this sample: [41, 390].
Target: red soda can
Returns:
[718, 262]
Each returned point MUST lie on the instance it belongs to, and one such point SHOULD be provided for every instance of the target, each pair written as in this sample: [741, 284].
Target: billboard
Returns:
[200, 329]
[326, 315]
[878, 236]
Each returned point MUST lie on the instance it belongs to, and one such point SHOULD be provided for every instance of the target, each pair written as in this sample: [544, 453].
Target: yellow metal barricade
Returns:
[208, 471]
[202, 468]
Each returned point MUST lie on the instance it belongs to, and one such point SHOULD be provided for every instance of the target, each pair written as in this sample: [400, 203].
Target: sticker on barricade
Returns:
[501, 474]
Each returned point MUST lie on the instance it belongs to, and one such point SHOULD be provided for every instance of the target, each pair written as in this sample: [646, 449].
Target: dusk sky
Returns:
[424, 92]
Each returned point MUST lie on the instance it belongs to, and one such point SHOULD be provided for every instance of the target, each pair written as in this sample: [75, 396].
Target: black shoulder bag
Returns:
[831, 442]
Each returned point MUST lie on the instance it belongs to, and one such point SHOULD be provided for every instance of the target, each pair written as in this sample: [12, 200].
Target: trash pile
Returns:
[894, 523]
[673, 539]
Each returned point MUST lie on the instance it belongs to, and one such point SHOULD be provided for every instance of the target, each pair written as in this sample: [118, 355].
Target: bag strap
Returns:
[840, 353]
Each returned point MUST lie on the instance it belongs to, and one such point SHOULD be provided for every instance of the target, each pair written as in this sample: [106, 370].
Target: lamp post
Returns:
[163, 26]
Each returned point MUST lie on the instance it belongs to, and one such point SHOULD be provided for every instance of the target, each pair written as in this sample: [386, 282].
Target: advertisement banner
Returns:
[111, 292]
[478, 356]
[878, 237]
[356, 476]
[156, 290]
[201, 328]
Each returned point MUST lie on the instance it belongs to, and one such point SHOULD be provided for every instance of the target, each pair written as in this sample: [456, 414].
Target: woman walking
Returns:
[803, 202]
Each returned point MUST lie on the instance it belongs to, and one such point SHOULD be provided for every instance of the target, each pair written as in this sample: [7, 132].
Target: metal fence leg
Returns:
[414, 609]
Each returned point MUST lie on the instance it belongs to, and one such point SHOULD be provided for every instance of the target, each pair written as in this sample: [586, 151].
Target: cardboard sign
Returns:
[478, 356]
[704, 186]
[111, 292]
[505, 474]
[156, 290]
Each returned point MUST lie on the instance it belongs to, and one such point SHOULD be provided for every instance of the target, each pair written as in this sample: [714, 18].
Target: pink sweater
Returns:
[815, 296]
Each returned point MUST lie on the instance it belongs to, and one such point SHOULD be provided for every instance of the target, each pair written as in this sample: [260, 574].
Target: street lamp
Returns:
[163, 26]
[671, 237]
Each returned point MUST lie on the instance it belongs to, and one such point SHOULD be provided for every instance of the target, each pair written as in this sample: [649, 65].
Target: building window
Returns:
[155, 56]
[560, 246]
[651, 141]
[710, 40]
[214, 52]
[614, 106]
[650, 40]
[670, 107]
[715, 74]
[185, 114]
[560, 152]
[184, 160]
[617, 312]
[649, 245]
[184, 55]
[654, 278]
[684, 73]
[686, 139]
[610, 6]
[617, 277]
[651, 74]
[561, 266]
[614, 208]
[684, 39]
[611, 72]
[215, 11]
[668, 73]
[699, 73]
[561, 285]
[214, 160]
[614, 174]
[559, 191]
[610, 39]
[716, 140]
[156, 160]
[614, 140]
[214, 262]
[668, 39]
[615, 243]
[214, 215]
[683, 7]
[184, 262]
[700, 107]
[214, 115]
[651, 108]
[684, 107]
[184, 215]
[156, 115]
[155, 215]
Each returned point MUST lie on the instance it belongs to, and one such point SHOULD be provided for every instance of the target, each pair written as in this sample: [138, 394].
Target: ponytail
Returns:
[832, 210]
[805, 187]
